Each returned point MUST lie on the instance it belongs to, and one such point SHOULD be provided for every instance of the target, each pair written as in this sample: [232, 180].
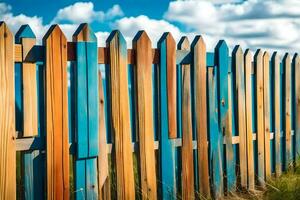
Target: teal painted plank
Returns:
[296, 63]
[80, 181]
[167, 151]
[91, 179]
[224, 71]
[215, 143]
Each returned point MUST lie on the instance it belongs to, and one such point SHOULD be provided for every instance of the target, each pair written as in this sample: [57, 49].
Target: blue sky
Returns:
[268, 24]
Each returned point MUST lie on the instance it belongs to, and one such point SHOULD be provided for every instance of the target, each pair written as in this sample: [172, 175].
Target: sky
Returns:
[267, 24]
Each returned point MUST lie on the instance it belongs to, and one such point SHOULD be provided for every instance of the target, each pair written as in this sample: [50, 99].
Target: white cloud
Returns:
[84, 12]
[253, 23]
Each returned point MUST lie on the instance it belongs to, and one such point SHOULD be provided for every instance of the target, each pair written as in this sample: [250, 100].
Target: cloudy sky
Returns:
[268, 24]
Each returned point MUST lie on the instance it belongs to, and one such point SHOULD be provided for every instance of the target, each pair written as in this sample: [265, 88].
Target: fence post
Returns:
[187, 137]
[296, 63]
[87, 112]
[277, 112]
[56, 113]
[225, 117]
[199, 70]
[288, 107]
[249, 116]
[166, 45]
[120, 116]
[267, 110]
[239, 73]
[7, 115]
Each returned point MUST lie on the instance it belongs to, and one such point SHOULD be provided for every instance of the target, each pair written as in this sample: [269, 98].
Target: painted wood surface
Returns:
[267, 108]
[225, 115]
[144, 108]
[239, 68]
[249, 122]
[56, 114]
[26, 37]
[288, 106]
[199, 72]
[215, 156]
[277, 112]
[296, 63]
[120, 116]
[187, 137]
[167, 149]
[7, 117]
[258, 63]
[103, 167]
[87, 112]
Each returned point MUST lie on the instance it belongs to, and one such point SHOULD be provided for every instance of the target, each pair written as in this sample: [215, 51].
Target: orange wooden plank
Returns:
[258, 61]
[144, 111]
[277, 111]
[200, 99]
[187, 137]
[238, 63]
[266, 69]
[248, 86]
[103, 171]
[30, 113]
[120, 116]
[56, 114]
[7, 115]
[288, 106]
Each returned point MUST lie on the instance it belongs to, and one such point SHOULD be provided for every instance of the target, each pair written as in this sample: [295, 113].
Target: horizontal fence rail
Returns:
[86, 122]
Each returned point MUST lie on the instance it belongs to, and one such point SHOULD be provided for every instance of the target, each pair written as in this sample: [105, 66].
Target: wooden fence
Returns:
[78, 121]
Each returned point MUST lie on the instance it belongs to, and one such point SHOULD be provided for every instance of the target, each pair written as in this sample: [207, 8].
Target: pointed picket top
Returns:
[141, 37]
[84, 33]
[237, 51]
[117, 37]
[54, 29]
[286, 59]
[4, 27]
[24, 32]
[266, 56]
[199, 42]
[184, 44]
[222, 46]
[221, 57]
[296, 58]
[258, 55]
[248, 54]
[275, 58]
[167, 36]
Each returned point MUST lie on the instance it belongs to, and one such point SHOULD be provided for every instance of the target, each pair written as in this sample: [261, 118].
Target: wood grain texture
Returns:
[144, 110]
[120, 116]
[56, 114]
[7, 115]
[296, 63]
[267, 107]
[187, 137]
[288, 106]
[226, 111]
[258, 62]
[167, 149]
[238, 64]
[103, 171]
[200, 98]
[277, 112]
[27, 39]
[249, 122]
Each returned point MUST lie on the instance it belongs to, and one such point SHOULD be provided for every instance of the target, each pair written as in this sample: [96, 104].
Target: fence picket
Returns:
[56, 113]
[296, 63]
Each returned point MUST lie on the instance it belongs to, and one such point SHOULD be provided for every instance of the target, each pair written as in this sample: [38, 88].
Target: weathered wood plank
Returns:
[26, 37]
[7, 115]
[56, 114]
[296, 63]
[249, 122]
[288, 106]
[258, 63]
[277, 112]
[167, 150]
[238, 64]
[120, 116]
[267, 107]
[103, 171]
[225, 116]
[187, 137]
[200, 98]
[144, 109]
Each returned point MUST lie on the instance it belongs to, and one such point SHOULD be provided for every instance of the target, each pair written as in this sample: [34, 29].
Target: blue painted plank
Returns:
[91, 179]
[80, 180]
[167, 151]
